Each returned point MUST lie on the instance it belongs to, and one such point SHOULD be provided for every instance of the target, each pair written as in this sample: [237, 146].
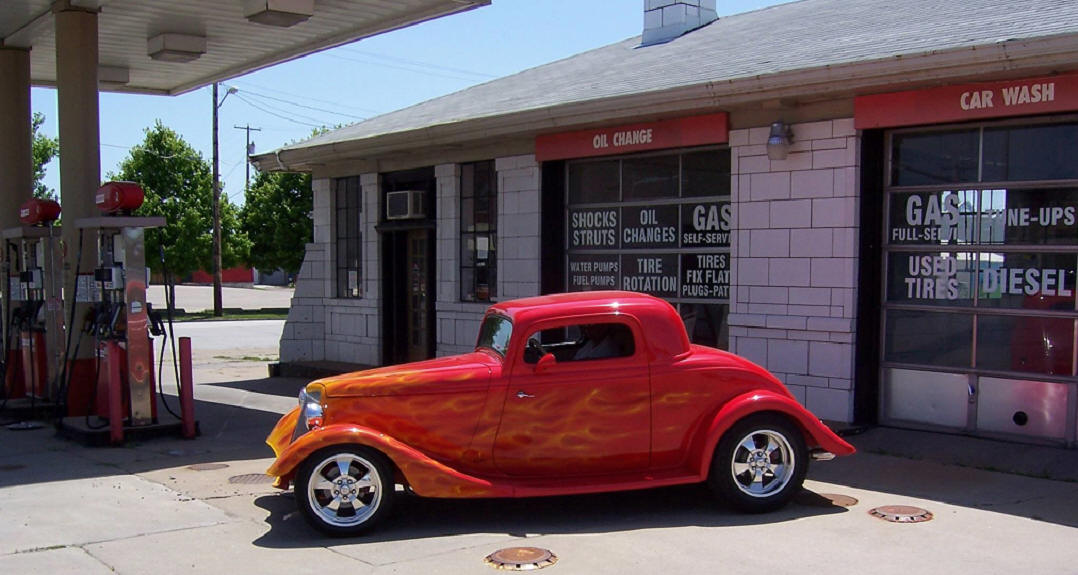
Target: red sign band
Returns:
[665, 134]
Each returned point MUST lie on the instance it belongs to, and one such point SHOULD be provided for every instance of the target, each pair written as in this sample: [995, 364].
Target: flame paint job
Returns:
[480, 425]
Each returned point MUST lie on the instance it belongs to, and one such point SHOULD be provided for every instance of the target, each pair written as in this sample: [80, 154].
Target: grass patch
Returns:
[234, 314]
[245, 358]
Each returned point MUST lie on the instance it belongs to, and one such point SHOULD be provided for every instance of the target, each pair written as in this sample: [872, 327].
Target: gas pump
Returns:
[34, 325]
[121, 323]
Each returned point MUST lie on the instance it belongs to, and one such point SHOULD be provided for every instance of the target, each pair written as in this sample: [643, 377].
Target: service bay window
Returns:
[478, 231]
[981, 252]
[657, 223]
[349, 237]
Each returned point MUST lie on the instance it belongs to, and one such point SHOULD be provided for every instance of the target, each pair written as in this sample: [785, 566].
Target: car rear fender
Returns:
[425, 476]
[816, 433]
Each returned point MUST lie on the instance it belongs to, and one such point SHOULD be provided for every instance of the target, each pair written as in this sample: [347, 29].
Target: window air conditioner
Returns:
[405, 205]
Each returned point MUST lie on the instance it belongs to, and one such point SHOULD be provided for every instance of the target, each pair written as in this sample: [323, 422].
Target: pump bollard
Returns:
[187, 391]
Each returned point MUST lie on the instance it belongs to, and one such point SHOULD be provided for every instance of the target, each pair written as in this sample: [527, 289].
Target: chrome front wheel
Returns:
[344, 491]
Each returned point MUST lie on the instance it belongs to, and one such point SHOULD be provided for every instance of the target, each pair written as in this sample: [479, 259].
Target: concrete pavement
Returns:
[168, 506]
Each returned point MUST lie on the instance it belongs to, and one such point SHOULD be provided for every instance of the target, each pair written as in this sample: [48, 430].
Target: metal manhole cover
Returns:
[251, 479]
[812, 499]
[901, 514]
[207, 466]
[521, 558]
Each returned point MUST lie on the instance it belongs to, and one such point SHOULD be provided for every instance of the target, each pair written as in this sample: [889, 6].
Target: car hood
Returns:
[456, 372]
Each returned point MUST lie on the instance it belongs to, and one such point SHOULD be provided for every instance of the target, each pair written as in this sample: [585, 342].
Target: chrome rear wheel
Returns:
[760, 463]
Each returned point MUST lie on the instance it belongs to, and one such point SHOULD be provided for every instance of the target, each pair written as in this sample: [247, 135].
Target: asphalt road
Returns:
[248, 335]
[199, 297]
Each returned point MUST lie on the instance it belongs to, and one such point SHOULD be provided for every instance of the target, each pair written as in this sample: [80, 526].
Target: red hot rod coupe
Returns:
[564, 394]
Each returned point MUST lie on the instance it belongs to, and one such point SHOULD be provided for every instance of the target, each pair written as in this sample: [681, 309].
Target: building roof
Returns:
[804, 50]
[233, 45]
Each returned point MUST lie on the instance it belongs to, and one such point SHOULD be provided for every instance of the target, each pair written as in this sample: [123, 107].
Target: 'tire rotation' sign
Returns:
[967, 102]
[660, 135]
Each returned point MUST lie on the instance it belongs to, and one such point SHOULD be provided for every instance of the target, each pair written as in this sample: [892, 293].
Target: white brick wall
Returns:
[518, 227]
[455, 319]
[517, 248]
[795, 250]
[301, 338]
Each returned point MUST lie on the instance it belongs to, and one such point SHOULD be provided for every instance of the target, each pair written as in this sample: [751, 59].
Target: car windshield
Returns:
[494, 334]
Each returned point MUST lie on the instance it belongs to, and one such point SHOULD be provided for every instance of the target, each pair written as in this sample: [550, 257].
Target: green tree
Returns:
[44, 149]
[277, 219]
[178, 186]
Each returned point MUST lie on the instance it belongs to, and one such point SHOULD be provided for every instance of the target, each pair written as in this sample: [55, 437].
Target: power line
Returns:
[298, 105]
[281, 116]
[414, 71]
[306, 97]
[418, 63]
[278, 108]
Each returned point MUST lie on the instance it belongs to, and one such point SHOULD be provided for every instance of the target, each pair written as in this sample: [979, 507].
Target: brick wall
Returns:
[795, 260]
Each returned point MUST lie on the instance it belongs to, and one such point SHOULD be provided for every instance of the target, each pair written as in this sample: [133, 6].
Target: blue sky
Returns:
[365, 79]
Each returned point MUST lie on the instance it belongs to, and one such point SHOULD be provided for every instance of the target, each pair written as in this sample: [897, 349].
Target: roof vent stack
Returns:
[665, 20]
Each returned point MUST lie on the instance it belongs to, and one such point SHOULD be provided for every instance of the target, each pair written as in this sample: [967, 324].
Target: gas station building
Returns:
[874, 200]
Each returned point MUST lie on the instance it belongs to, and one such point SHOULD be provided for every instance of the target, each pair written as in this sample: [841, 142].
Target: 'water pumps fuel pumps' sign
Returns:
[967, 102]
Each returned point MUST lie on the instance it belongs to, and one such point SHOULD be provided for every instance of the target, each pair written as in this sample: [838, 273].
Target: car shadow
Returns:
[417, 518]
[278, 386]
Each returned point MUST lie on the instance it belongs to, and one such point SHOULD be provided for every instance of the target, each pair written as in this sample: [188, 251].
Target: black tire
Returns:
[760, 463]
[345, 490]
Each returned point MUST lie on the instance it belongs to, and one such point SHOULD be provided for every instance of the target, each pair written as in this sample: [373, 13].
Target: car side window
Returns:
[582, 342]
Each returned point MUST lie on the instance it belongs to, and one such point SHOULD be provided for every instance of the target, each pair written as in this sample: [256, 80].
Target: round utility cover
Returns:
[521, 558]
[901, 514]
[251, 479]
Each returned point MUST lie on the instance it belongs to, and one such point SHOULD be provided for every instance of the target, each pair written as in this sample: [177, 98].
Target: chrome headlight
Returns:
[310, 407]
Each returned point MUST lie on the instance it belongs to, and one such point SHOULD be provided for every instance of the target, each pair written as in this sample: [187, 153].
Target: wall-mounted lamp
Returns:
[172, 47]
[778, 143]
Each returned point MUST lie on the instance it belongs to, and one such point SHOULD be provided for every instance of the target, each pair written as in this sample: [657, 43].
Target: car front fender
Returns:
[816, 433]
[425, 476]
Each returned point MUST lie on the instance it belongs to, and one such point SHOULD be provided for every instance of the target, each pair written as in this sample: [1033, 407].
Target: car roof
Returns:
[657, 316]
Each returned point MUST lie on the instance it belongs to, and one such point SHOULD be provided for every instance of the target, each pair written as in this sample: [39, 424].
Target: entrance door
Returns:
[418, 300]
[408, 328]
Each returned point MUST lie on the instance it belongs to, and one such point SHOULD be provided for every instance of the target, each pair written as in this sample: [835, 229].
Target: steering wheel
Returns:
[533, 344]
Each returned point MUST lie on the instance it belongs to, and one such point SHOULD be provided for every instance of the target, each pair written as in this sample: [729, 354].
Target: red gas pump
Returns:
[123, 387]
[33, 326]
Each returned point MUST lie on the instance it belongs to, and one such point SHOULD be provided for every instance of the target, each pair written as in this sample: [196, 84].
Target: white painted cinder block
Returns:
[798, 218]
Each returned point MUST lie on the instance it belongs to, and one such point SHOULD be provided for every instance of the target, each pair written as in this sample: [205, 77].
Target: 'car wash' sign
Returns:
[1050, 94]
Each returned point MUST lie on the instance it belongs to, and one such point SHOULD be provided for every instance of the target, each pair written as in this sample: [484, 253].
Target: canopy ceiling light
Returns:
[113, 75]
[778, 143]
[281, 13]
[173, 47]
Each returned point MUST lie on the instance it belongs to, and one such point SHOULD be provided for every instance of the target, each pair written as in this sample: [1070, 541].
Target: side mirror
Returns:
[545, 363]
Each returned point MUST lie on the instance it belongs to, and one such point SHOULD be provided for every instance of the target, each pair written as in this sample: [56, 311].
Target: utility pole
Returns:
[249, 129]
[217, 309]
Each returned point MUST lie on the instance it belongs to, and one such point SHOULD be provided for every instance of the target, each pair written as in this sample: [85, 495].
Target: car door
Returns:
[567, 417]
